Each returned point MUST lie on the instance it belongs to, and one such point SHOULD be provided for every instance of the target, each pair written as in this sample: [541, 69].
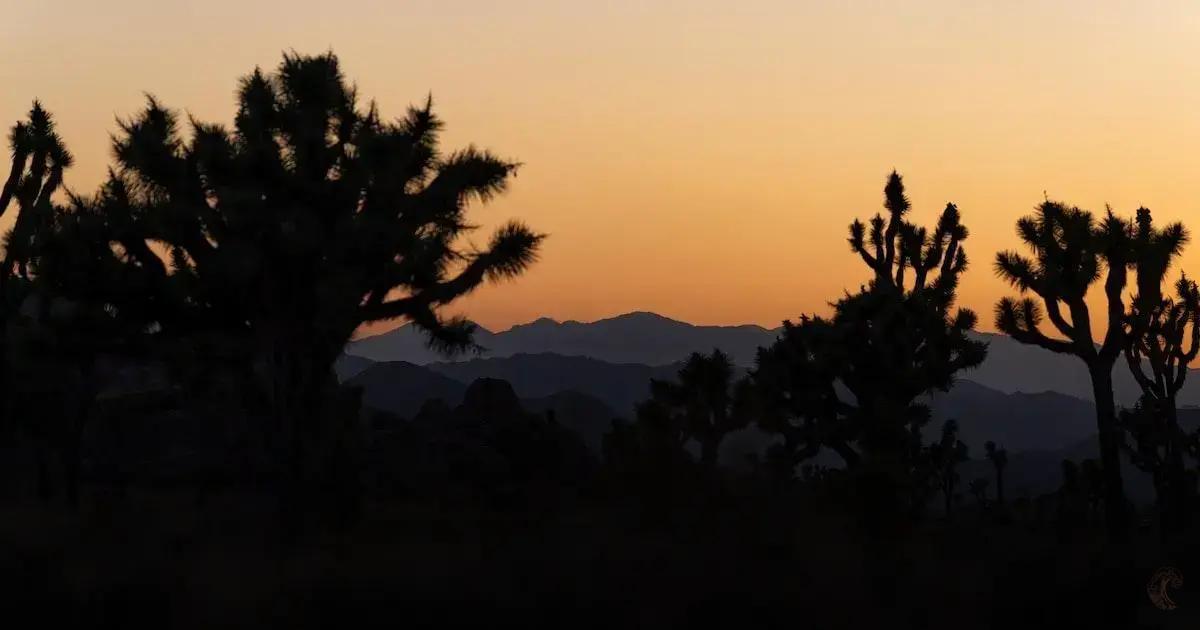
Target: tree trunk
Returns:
[1116, 512]
[298, 408]
[1179, 501]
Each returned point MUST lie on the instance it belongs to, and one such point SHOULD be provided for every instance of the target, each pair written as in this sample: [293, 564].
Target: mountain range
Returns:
[654, 340]
[1034, 403]
[1039, 430]
[640, 337]
[605, 391]
[402, 389]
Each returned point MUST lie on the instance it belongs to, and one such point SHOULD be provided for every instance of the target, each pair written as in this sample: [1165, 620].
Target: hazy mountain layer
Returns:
[643, 338]
[649, 339]
[1019, 421]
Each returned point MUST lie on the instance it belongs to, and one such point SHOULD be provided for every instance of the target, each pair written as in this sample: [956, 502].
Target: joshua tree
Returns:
[69, 297]
[895, 340]
[708, 403]
[38, 161]
[27, 391]
[999, 459]
[309, 218]
[1069, 249]
[36, 174]
[944, 457]
[1162, 339]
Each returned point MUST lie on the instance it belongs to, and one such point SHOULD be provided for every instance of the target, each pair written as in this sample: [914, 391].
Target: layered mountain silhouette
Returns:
[1035, 403]
[1039, 470]
[585, 395]
[1012, 366]
[639, 337]
[404, 389]
[654, 340]
[619, 385]
[401, 388]
[1018, 421]
[590, 393]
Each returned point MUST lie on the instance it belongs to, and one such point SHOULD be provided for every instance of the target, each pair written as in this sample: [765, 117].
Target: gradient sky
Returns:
[696, 158]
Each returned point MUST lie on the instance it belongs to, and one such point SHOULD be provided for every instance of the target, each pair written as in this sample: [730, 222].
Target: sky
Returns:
[701, 158]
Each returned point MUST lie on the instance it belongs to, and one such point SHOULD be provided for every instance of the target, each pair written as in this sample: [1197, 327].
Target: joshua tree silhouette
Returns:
[1162, 339]
[706, 400]
[44, 376]
[38, 161]
[1069, 249]
[896, 339]
[309, 218]
[68, 297]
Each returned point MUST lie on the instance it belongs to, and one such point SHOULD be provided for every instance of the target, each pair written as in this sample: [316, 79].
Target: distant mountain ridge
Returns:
[638, 337]
[653, 340]
[401, 387]
[1033, 402]
[582, 388]
[1038, 430]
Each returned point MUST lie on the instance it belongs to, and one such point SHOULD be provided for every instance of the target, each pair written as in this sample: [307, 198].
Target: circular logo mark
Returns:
[1156, 588]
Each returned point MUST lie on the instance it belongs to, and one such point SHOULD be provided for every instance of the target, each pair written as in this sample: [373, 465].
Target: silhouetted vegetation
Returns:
[705, 402]
[182, 447]
[1162, 341]
[1070, 250]
[309, 218]
[897, 339]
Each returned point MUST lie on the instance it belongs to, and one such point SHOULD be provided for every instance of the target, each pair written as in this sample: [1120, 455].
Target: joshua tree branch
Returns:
[1035, 337]
[1114, 336]
[1135, 368]
[1056, 317]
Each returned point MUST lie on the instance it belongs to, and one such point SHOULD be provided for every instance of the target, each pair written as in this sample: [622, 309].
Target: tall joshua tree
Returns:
[1070, 248]
[68, 297]
[903, 336]
[1162, 339]
[39, 159]
[898, 338]
[707, 401]
[312, 216]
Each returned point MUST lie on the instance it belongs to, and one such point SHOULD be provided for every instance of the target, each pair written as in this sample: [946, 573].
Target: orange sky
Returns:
[696, 158]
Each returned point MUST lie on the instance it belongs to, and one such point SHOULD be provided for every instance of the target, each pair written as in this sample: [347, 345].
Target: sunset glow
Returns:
[696, 158]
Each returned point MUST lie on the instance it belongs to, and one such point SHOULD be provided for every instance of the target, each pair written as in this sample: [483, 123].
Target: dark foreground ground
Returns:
[162, 559]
